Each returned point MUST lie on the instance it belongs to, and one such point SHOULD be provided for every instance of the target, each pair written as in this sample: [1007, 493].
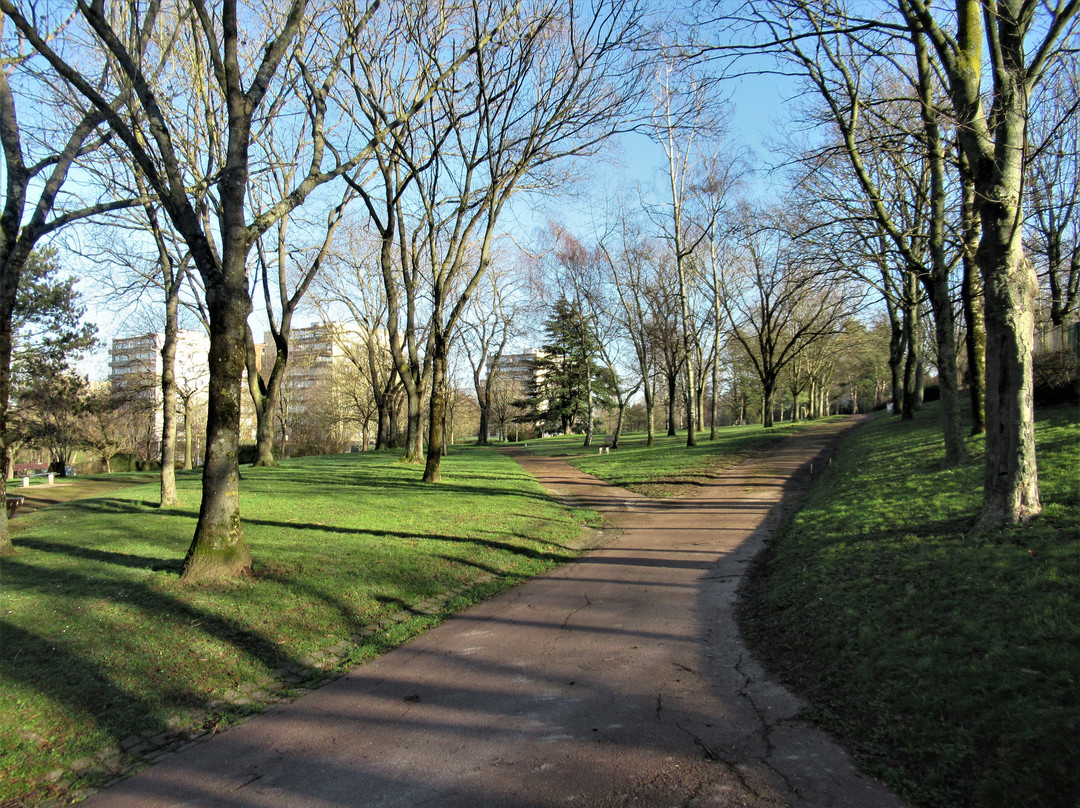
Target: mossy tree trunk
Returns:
[219, 549]
[993, 137]
[436, 413]
[971, 297]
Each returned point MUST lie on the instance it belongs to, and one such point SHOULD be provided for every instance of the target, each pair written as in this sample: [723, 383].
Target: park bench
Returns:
[13, 504]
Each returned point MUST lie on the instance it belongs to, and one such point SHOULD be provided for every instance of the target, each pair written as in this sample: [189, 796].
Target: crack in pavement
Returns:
[570, 616]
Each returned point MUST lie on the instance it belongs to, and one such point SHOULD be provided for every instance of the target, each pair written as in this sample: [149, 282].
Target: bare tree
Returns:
[555, 87]
[105, 427]
[779, 305]
[288, 59]
[990, 58]
[687, 124]
[37, 161]
[1017, 40]
[1054, 179]
[631, 265]
[494, 318]
[141, 261]
[890, 124]
[285, 270]
[350, 288]
[664, 333]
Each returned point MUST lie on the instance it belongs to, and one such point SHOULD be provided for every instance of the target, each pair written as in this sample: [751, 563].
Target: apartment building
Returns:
[135, 367]
[519, 367]
[311, 404]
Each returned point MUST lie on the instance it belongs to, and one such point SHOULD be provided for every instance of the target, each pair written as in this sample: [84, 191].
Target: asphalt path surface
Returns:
[617, 680]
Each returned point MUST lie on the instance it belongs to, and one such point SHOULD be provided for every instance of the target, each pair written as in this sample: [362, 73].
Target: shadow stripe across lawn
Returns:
[99, 641]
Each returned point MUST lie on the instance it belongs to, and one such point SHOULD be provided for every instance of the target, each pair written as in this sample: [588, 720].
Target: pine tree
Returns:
[566, 374]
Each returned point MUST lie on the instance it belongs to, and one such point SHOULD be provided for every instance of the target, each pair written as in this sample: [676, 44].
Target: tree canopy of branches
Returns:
[42, 135]
[557, 83]
[778, 304]
[989, 59]
[182, 68]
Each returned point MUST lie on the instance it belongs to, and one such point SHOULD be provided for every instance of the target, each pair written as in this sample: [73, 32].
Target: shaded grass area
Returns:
[668, 468]
[949, 663]
[101, 642]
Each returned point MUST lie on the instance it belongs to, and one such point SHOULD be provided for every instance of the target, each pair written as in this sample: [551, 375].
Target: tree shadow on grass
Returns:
[491, 544]
[81, 687]
[468, 562]
[73, 680]
[104, 556]
[353, 619]
[417, 486]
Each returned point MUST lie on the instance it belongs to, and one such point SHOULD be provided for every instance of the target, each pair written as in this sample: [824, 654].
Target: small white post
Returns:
[26, 482]
[50, 478]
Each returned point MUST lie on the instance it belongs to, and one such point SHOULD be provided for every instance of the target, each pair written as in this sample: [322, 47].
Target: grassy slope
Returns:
[949, 663]
[99, 640]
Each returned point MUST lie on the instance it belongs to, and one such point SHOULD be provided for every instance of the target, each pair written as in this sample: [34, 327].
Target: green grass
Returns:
[668, 468]
[948, 662]
[101, 642]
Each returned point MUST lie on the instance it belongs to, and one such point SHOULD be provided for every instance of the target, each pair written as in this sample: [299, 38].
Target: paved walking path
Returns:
[618, 680]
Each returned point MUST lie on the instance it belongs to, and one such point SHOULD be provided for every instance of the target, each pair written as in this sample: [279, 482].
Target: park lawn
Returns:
[949, 663]
[101, 643]
[668, 468]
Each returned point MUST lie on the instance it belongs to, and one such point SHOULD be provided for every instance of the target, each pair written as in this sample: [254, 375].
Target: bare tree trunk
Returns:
[945, 331]
[650, 427]
[485, 417]
[715, 416]
[187, 436]
[414, 427]
[382, 430]
[266, 411]
[436, 411]
[266, 394]
[588, 407]
[767, 403]
[913, 361]
[896, 357]
[219, 549]
[8, 284]
[619, 414]
[671, 386]
[691, 415]
[972, 300]
[168, 406]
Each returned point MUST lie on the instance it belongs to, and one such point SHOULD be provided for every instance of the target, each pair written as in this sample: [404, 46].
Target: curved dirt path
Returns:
[618, 680]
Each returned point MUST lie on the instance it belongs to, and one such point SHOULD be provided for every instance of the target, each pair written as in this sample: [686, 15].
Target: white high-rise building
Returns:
[135, 366]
